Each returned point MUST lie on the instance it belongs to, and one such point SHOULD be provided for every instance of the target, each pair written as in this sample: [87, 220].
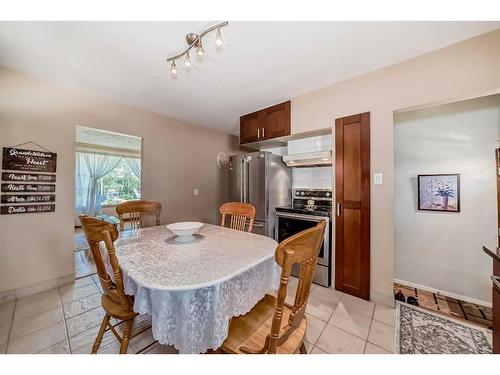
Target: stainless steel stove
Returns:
[308, 208]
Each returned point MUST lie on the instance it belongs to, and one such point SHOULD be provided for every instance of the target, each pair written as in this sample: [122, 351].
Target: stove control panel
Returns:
[317, 194]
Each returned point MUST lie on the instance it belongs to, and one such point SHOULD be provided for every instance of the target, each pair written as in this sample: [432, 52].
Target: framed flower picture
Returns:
[439, 192]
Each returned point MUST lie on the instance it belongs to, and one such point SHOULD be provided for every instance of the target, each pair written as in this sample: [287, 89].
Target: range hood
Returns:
[309, 159]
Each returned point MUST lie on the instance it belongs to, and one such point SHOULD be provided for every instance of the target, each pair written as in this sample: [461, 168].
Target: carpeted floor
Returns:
[420, 331]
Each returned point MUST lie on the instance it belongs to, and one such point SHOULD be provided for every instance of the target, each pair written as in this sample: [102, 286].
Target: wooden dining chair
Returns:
[239, 214]
[260, 330]
[115, 302]
[138, 213]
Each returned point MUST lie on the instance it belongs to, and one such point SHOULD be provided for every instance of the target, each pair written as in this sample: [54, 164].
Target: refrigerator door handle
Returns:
[241, 179]
[244, 190]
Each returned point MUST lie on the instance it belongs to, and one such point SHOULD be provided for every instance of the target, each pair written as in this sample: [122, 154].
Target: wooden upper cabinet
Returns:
[250, 127]
[265, 124]
[276, 121]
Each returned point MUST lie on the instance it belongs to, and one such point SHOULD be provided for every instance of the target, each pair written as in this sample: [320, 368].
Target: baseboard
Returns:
[444, 293]
[28, 290]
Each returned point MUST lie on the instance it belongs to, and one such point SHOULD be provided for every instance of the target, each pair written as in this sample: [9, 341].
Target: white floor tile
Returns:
[83, 342]
[37, 303]
[320, 308]
[314, 328]
[26, 325]
[78, 283]
[317, 350]
[385, 314]
[329, 294]
[69, 294]
[357, 305]
[374, 349]
[334, 340]
[6, 313]
[60, 348]
[351, 321]
[39, 340]
[382, 335]
[81, 305]
[84, 321]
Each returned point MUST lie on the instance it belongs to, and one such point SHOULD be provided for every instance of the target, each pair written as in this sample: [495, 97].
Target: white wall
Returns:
[443, 250]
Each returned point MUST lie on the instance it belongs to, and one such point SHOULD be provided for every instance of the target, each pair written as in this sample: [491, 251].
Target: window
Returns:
[108, 169]
[120, 185]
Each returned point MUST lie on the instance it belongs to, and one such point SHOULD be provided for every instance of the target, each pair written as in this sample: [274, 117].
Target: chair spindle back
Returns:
[302, 248]
[98, 231]
[137, 212]
[238, 214]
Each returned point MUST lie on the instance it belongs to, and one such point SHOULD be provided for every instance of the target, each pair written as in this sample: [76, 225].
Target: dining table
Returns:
[192, 289]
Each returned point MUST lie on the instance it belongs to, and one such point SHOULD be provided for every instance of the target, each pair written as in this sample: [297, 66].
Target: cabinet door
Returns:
[352, 195]
[251, 127]
[276, 121]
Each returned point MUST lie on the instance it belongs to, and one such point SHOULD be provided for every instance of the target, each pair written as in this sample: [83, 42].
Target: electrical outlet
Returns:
[195, 192]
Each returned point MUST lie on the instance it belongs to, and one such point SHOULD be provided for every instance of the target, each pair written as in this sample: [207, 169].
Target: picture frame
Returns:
[439, 192]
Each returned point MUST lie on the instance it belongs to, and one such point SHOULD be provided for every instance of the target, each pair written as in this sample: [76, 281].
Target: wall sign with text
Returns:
[27, 209]
[18, 159]
[28, 181]
[28, 177]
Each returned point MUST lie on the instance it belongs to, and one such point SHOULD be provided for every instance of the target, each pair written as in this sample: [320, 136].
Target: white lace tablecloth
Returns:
[191, 290]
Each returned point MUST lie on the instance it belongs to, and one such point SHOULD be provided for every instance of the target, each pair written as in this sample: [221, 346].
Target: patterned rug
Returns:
[419, 331]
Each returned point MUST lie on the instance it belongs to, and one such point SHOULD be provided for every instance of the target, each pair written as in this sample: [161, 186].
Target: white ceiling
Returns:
[262, 63]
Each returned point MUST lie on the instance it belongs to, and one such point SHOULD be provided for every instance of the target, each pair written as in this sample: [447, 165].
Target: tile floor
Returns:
[66, 320]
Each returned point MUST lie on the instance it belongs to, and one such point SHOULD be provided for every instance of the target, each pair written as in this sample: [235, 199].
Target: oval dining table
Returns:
[192, 290]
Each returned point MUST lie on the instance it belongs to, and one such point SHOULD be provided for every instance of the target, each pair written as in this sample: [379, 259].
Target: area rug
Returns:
[419, 331]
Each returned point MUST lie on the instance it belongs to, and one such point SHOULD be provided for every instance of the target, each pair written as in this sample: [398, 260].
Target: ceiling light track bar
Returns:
[195, 42]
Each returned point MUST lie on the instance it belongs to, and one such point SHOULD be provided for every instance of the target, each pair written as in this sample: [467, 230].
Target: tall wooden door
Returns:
[352, 198]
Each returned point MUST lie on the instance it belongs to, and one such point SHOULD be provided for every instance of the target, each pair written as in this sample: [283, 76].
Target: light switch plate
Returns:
[377, 178]
[195, 192]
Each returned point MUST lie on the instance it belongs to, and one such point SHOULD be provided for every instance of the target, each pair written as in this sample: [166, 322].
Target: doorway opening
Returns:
[107, 172]
[445, 202]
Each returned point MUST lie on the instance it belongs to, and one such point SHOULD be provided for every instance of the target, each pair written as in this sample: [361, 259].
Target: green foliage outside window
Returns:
[120, 185]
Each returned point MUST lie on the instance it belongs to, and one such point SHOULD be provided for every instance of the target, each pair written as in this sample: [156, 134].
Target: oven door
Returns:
[290, 224]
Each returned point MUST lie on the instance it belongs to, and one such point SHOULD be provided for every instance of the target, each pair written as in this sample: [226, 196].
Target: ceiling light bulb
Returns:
[199, 49]
[187, 61]
[173, 68]
[218, 38]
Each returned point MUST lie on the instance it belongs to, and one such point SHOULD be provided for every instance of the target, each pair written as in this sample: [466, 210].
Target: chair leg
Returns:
[302, 348]
[100, 334]
[126, 336]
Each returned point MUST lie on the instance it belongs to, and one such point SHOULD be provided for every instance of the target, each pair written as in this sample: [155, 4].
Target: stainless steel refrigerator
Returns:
[263, 180]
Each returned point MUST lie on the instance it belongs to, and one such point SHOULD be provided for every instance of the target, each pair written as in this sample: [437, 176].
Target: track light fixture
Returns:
[194, 40]
[173, 68]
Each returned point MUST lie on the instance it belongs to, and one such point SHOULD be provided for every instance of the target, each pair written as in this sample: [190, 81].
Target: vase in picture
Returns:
[444, 202]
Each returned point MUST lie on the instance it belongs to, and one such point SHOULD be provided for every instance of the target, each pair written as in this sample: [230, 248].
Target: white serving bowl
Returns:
[184, 231]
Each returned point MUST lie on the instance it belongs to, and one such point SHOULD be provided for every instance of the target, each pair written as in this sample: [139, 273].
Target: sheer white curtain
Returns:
[135, 167]
[89, 169]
